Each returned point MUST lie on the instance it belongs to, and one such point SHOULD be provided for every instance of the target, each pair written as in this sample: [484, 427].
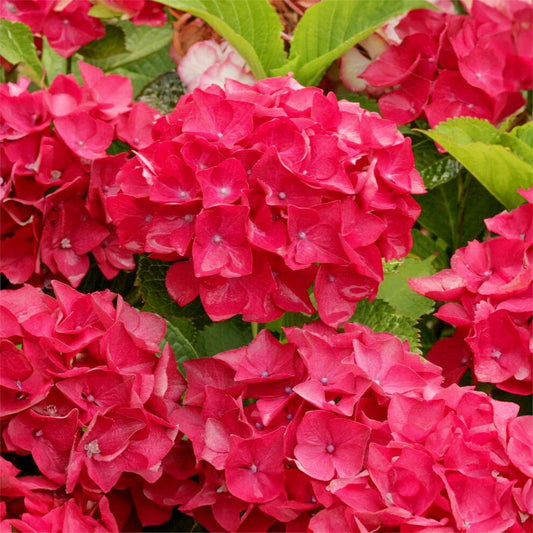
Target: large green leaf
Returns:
[331, 27]
[251, 26]
[498, 160]
[395, 290]
[381, 316]
[17, 46]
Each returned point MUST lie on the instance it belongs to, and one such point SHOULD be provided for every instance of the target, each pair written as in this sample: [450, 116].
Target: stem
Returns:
[255, 326]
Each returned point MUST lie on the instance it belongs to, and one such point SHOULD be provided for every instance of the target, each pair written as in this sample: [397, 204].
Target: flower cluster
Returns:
[350, 432]
[68, 24]
[90, 397]
[449, 65]
[261, 191]
[489, 290]
[54, 170]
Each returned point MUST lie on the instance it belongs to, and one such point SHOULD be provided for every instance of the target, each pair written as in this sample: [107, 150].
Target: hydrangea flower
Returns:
[407, 455]
[88, 393]
[444, 65]
[488, 295]
[55, 171]
[254, 193]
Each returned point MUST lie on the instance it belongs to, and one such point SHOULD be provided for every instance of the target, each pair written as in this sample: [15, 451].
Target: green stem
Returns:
[255, 328]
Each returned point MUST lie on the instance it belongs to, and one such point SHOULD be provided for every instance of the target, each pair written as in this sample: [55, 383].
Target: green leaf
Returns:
[395, 290]
[493, 157]
[179, 342]
[164, 92]
[331, 27]
[434, 167]
[53, 63]
[17, 46]
[140, 42]
[252, 27]
[145, 70]
[381, 316]
[221, 336]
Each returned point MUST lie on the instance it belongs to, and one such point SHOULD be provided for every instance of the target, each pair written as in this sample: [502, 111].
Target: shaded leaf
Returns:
[424, 246]
[455, 211]
[221, 336]
[113, 43]
[17, 46]
[252, 27]
[330, 28]
[150, 280]
[395, 290]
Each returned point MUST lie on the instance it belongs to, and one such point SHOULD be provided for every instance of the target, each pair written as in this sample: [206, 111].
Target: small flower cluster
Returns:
[350, 432]
[208, 62]
[490, 293]
[89, 395]
[68, 25]
[449, 65]
[54, 170]
[265, 190]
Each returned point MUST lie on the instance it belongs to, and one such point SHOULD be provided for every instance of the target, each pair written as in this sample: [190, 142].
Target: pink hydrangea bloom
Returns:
[88, 393]
[406, 455]
[56, 174]
[489, 298]
[440, 65]
[255, 187]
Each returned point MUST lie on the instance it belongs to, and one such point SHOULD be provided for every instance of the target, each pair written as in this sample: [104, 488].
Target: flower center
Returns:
[92, 448]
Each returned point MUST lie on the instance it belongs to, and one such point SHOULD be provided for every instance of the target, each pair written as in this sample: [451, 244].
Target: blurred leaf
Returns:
[143, 71]
[164, 92]
[252, 27]
[499, 161]
[17, 46]
[381, 316]
[395, 290]
[330, 28]
[138, 52]
[434, 167]
[221, 336]
[524, 133]
[53, 63]
[111, 45]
